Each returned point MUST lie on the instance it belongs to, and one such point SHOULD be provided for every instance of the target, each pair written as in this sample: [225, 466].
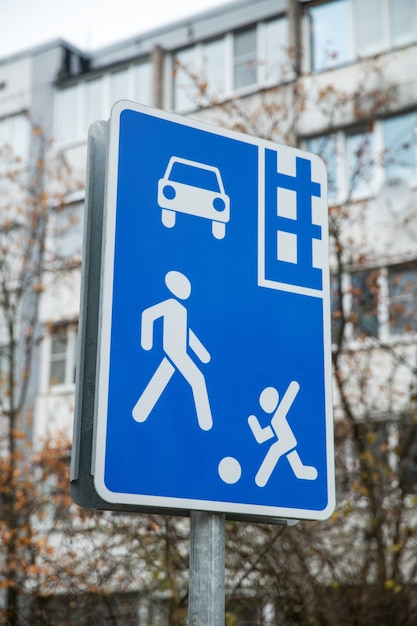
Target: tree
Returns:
[59, 563]
[31, 193]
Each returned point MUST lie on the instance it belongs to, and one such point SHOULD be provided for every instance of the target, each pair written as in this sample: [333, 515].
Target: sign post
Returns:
[206, 602]
[212, 327]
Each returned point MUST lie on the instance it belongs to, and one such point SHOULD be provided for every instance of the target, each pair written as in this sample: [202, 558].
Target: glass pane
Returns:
[403, 297]
[93, 102]
[364, 310]
[214, 69]
[326, 148]
[369, 26]
[57, 373]
[3, 374]
[276, 43]
[119, 86]
[359, 160]
[375, 438]
[20, 134]
[399, 135]
[245, 43]
[4, 135]
[68, 233]
[336, 307]
[330, 34]
[59, 350]
[145, 84]
[245, 70]
[185, 88]
[59, 345]
[407, 453]
[403, 21]
[4, 143]
[68, 130]
[15, 135]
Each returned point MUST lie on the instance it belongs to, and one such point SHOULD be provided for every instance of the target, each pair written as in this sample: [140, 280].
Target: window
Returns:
[254, 56]
[143, 89]
[4, 370]
[349, 158]
[391, 450]
[69, 111]
[15, 135]
[197, 70]
[402, 289]
[276, 50]
[93, 101]
[378, 438]
[62, 355]
[399, 140]
[214, 71]
[132, 82]
[185, 88]
[79, 105]
[383, 301]
[350, 155]
[326, 148]
[364, 307]
[407, 452]
[330, 34]
[359, 160]
[66, 233]
[370, 27]
[343, 30]
[336, 308]
[403, 21]
[245, 59]
[119, 85]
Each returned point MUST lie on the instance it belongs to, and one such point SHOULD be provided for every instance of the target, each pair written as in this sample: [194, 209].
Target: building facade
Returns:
[335, 77]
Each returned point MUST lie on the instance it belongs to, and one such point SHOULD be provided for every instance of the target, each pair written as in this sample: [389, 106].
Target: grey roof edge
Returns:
[171, 25]
[38, 49]
[192, 19]
[104, 54]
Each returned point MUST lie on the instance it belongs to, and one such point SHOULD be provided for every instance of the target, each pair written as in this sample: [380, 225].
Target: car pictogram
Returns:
[195, 189]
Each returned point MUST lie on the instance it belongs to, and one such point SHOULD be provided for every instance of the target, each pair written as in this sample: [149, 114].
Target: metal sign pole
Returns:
[206, 602]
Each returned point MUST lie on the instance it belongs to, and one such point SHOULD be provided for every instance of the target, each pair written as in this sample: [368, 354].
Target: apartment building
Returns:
[340, 78]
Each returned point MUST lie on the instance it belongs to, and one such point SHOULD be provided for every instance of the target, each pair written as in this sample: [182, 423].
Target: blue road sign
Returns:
[214, 387]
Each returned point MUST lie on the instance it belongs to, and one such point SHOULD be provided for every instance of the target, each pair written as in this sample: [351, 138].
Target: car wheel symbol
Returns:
[218, 229]
[168, 218]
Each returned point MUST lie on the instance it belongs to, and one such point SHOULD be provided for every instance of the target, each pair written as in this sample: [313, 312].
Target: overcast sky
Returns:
[88, 24]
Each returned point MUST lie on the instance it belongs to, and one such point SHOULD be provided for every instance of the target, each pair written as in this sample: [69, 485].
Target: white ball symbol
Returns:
[230, 470]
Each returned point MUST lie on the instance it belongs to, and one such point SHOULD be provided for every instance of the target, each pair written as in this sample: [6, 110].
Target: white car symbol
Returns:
[196, 189]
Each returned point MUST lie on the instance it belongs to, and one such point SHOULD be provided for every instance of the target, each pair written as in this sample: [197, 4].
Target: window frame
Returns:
[383, 298]
[248, 60]
[377, 157]
[397, 456]
[261, 63]
[59, 236]
[80, 87]
[388, 39]
[69, 329]
[396, 171]
[15, 158]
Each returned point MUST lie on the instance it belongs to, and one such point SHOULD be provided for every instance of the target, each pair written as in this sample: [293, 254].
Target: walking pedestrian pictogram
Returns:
[177, 338]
